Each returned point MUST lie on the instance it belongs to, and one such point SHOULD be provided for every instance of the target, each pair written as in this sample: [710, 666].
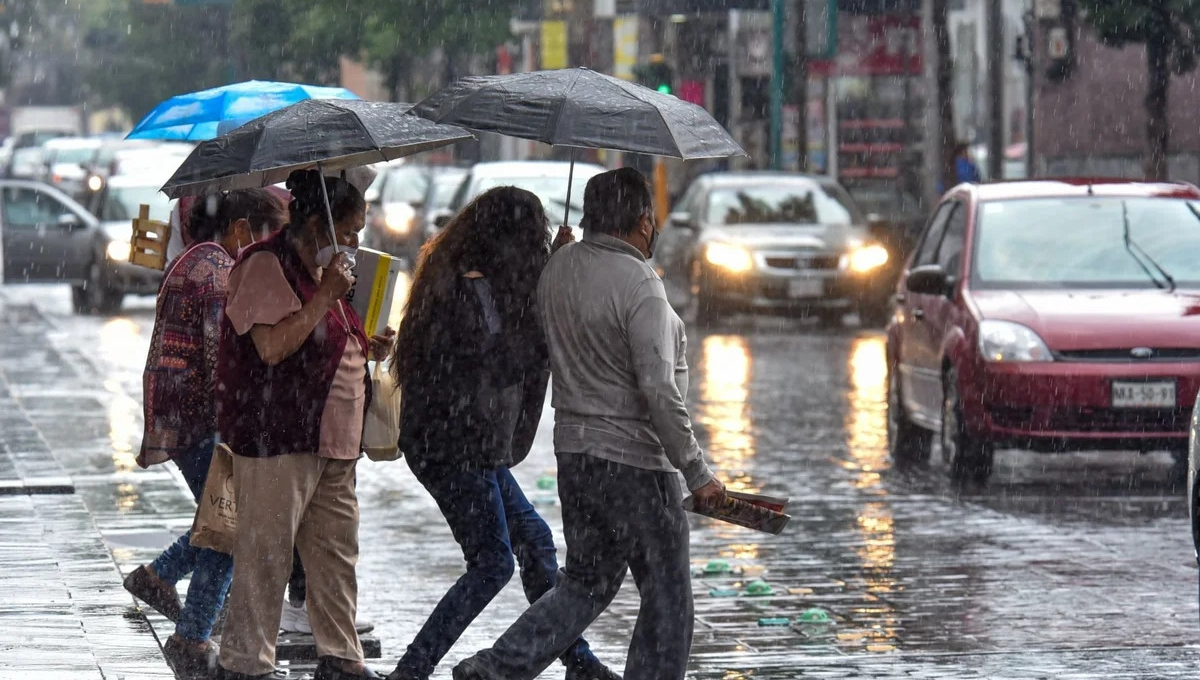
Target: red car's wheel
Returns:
[969, 457]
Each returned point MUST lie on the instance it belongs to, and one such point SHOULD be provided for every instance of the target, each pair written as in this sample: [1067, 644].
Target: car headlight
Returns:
[95, 182]
[867, 258]
[118, 251]
[729, 257]
[398, 217]
[1008, 341]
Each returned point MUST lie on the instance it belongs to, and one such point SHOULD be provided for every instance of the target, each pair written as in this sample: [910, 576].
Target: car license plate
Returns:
[1160, 394]
[806, 288]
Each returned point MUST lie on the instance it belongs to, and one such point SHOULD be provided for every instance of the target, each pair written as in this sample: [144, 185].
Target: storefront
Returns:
[873, 100]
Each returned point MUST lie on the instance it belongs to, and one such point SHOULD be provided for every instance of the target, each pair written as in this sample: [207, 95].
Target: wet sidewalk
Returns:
[63, 612]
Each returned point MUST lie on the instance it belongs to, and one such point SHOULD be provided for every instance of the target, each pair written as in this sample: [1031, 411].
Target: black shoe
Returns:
[592, 670]
[277, 674]
[405, 674]
[329, 668]
[465, 670]
[161, 596]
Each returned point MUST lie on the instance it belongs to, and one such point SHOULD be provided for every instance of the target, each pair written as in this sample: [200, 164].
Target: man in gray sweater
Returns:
[622, 436]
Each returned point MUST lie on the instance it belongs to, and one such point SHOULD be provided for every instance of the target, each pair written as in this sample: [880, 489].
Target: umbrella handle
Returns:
[328, 210]
[570, 179]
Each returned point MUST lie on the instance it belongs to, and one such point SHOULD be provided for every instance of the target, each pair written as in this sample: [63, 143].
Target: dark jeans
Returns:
[492, 521]
[615, 516]
[211, 571]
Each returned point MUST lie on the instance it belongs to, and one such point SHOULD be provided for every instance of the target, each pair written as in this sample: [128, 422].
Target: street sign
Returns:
[554, 45]
[821, 28]
[625, 46]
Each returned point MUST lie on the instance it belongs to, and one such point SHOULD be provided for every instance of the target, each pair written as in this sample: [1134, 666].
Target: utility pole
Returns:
[1026, 55]
[996, 66]
[777, 20]
[933, 148]
[800, 85]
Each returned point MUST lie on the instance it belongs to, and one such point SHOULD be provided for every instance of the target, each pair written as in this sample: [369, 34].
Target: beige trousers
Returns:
[308, 502]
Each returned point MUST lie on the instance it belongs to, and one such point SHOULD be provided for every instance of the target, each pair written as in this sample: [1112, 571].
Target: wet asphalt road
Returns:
[1063, 566]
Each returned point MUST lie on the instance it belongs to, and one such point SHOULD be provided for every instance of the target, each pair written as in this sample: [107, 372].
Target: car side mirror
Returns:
[929, 279]
[682, 219]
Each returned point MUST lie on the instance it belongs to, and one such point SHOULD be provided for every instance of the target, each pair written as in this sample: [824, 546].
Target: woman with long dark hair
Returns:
[472, 365]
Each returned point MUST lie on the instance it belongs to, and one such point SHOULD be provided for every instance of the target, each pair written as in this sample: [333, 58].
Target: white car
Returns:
[546, 179]
[66, 160]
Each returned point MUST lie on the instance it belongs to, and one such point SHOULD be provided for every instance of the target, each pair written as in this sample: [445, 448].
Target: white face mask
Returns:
[325, 255]
[242, 248]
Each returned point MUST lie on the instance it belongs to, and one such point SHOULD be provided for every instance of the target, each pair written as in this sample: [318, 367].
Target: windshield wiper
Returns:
[1130, 245]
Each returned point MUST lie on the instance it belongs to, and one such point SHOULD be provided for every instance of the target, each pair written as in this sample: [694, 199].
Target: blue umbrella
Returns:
[207, 114]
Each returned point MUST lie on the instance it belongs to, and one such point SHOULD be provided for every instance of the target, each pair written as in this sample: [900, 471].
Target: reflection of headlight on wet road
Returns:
[729, 257]
[398, 217]
[867, 258]
[118, 251]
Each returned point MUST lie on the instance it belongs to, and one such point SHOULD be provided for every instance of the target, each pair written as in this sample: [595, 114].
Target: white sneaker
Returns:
[295, 620]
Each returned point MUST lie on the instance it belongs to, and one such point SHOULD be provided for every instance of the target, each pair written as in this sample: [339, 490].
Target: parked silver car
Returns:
[48, 237]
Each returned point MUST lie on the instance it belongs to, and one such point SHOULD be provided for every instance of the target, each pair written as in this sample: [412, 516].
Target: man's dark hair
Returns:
[615, 201]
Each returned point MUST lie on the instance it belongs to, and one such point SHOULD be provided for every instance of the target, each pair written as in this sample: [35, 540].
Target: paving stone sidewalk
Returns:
[63, 612]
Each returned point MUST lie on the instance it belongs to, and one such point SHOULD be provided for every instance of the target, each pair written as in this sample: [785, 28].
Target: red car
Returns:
[1049, 316]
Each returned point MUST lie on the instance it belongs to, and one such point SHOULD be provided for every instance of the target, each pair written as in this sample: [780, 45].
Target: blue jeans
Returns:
[211, 571]
[492, 521]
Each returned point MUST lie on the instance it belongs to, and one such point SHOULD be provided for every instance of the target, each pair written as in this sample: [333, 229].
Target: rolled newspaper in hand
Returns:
[737, 511]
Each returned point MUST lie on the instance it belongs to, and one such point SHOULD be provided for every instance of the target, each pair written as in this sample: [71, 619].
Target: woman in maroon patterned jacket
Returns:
[180, 413]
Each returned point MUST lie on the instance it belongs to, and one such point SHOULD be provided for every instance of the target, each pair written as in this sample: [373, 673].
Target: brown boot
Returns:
[148, 588]
[191, 660]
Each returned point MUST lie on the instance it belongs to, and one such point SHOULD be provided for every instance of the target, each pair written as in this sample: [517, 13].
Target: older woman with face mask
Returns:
[291, 395]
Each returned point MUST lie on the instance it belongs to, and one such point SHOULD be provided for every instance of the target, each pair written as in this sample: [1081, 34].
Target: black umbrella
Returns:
[583, 109]
[327, 134]
[335, 134]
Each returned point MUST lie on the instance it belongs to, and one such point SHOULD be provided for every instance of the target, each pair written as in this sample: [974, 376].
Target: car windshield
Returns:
[778, 204]
[1080, 242]
[445, 185]
[75, 155]
[122, 203]
[551, 190]
[31, 155]
[406, 184]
